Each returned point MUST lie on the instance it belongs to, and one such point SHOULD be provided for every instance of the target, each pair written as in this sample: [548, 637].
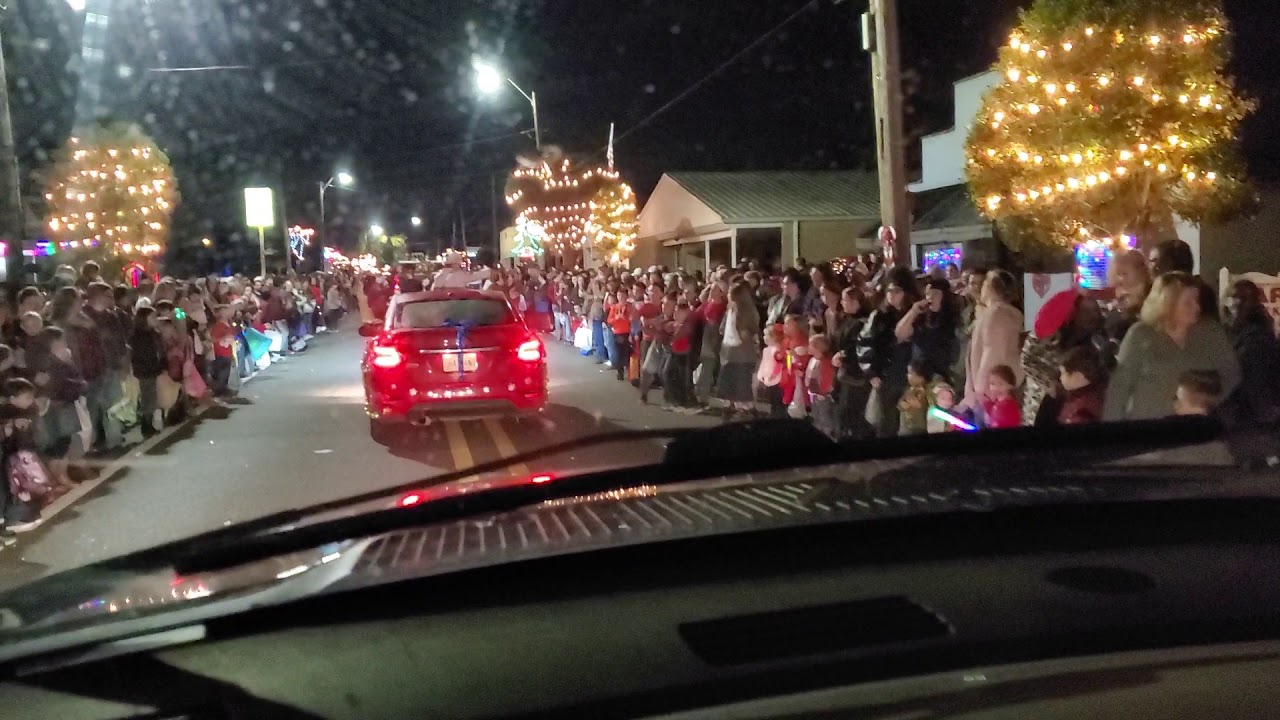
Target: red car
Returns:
[451, 354]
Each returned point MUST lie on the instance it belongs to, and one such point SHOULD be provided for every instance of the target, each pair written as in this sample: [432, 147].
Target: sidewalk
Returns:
[107, 466]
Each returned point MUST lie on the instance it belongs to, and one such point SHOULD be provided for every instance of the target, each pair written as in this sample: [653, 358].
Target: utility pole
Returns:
[11, 220]
[880, 38]
[493, 218]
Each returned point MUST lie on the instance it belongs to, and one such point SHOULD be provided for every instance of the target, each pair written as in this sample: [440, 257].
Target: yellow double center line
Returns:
[461, 452]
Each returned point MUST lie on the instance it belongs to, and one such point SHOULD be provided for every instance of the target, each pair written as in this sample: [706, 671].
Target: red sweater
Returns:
[1003, 413]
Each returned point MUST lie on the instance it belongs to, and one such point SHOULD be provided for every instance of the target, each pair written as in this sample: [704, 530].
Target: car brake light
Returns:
[387, 356]
[530, 351]
[410, 500]
[539, 479]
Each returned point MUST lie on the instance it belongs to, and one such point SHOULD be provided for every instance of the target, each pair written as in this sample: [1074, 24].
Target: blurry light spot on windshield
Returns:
[297, 569]
[330, 558]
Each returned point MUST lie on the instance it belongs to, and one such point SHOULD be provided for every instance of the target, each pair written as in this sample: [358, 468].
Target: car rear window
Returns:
[444, 313]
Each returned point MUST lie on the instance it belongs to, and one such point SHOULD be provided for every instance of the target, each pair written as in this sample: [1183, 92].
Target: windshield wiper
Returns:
[697, 454]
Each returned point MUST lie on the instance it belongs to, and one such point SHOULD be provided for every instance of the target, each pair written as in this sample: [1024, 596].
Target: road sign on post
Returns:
[259, 212]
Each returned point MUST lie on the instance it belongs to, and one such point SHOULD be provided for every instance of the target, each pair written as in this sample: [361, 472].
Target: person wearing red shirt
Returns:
[619, 320]
[223, 337]
[1002, 410]
[651, 313]
[677, 392]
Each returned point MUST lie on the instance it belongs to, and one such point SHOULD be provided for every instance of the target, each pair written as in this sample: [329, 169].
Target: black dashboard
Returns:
[690, 625]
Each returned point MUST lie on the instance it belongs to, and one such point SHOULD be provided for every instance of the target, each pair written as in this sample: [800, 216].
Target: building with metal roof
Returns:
[699, 220]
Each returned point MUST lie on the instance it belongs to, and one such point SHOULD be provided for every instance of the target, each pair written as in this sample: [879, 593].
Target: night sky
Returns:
[385, 89]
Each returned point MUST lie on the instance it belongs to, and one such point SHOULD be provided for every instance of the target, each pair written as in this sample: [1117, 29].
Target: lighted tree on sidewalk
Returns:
[1111, 118]
[110, 195]
[552, 193]
[612, 224]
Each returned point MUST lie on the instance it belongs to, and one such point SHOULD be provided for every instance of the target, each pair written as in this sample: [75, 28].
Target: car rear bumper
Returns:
[458, 408]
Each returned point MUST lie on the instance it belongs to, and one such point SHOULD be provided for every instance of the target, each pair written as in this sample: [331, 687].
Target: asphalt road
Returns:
[298, 435]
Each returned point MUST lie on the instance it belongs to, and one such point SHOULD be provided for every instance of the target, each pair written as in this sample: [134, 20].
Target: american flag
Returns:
[609, 155]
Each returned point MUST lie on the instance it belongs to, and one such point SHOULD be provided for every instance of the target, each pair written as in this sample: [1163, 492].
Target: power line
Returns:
[209, 68]
[719, 69]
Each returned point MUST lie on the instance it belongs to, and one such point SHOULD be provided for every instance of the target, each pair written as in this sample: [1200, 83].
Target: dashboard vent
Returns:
[817, 630]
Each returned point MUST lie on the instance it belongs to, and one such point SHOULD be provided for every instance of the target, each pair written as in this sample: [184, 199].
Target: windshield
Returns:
[429, 314]
[640, 218]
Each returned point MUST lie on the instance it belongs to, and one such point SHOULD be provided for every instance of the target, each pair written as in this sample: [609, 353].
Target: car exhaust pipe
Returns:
[421, 421]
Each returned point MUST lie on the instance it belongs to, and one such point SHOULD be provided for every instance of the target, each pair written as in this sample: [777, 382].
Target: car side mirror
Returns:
[369, 330]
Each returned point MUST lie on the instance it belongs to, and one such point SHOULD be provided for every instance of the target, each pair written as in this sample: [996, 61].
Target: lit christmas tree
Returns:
[557, 197]
[111, 194]
[1111, 117]
[611, 223]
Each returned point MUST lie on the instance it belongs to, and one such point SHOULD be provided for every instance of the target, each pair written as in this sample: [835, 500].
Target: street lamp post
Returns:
[342, 179]
[489, 79]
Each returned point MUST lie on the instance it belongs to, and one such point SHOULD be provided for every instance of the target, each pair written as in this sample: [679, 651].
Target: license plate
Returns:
[469, 362]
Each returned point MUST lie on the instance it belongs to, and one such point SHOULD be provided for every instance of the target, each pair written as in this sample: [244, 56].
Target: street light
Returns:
[415, 221]
[76, 5]
[489, 81]
[376, 230]
[342, 179]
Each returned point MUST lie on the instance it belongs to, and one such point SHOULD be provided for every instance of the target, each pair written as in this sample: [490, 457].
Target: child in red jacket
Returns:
[1002, 409]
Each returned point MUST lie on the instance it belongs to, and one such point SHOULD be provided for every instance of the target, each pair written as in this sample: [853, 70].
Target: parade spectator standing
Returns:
[1170, 339]
[996, 340]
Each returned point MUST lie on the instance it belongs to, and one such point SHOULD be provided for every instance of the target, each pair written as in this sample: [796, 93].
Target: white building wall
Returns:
[670, 207]
[942, 154]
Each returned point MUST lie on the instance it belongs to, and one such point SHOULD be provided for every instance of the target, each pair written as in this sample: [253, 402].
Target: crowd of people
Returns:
[87, 366]
[869, 351]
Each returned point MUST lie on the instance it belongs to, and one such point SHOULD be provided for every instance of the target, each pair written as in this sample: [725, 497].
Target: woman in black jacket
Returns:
[852, 387]
[882, 356]
[147, 364]
[1257, 398]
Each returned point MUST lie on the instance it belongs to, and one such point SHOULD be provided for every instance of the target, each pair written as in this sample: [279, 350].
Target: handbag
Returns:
[28, 477]
[86, 423]
[192, 383]
[874, 414]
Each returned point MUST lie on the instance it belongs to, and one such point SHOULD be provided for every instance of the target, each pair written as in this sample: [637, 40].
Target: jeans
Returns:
[676, 388]
[147, 402]
[220, 374]
[706, 378]
[597, 340]
[102, 393]
[622, 354]
[561, 329]
[610, 347]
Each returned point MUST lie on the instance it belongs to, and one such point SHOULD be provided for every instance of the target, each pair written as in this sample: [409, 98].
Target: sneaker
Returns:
[26, 526]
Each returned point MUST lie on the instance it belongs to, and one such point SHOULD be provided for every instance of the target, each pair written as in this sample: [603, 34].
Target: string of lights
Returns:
[114, 190]
[1107, 125]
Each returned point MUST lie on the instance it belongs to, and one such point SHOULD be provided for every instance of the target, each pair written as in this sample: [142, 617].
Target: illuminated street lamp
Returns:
[415, 221]
[489, 81]
[376, 231]
[342, 180]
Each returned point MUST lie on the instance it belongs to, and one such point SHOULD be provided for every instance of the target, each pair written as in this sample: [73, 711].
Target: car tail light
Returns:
[386, 356]
[410, 500]
[530, 350]
[542, 478]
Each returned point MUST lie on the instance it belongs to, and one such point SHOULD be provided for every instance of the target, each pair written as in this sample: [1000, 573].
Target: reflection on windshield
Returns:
[431, 314]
